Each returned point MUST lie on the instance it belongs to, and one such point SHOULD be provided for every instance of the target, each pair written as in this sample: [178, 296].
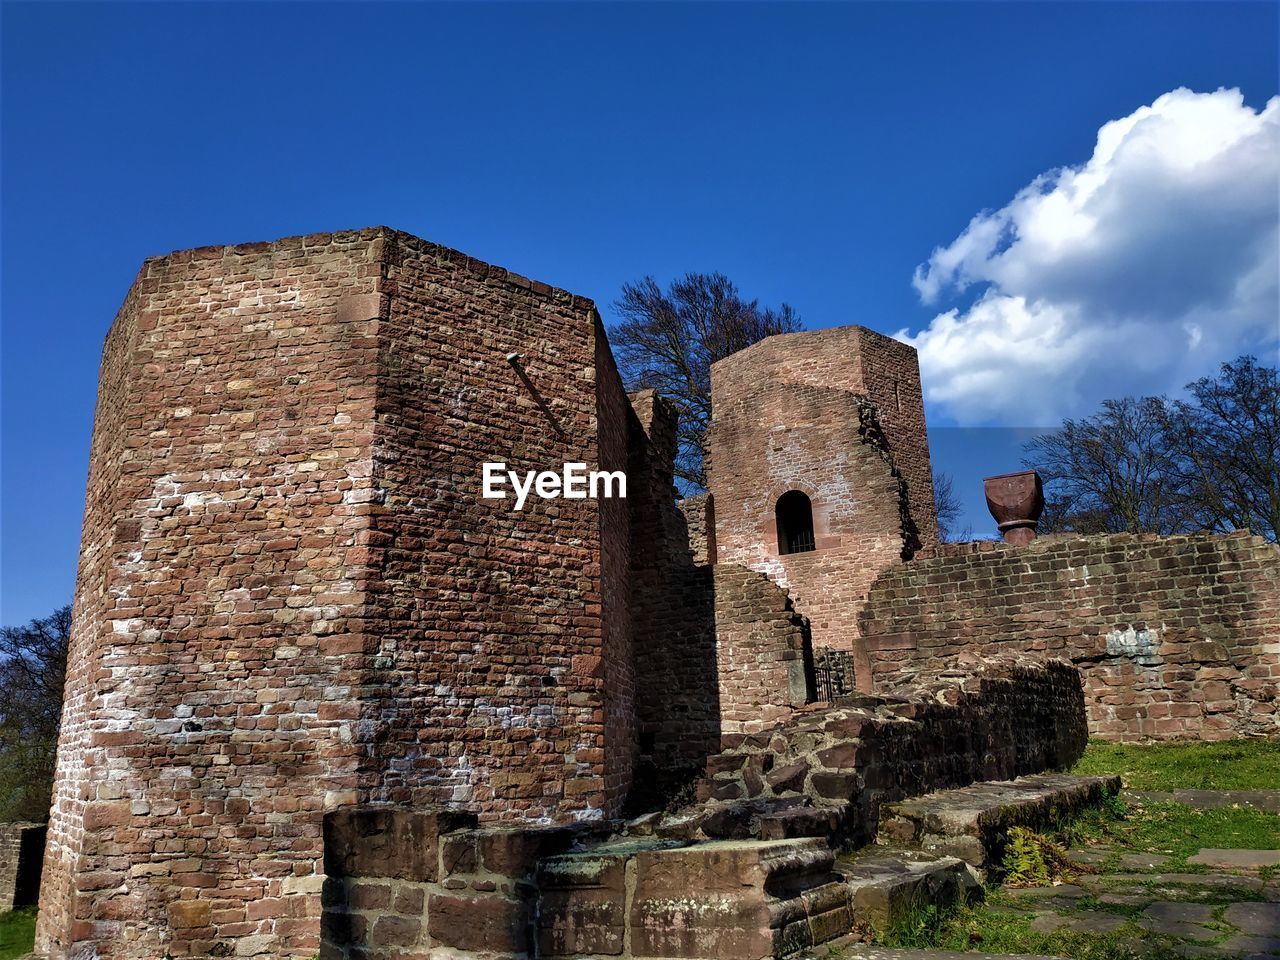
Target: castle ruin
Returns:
[324, 695]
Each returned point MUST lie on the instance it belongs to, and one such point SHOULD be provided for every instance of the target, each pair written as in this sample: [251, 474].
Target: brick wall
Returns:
[21, 858]
[405, 884]
[291, 595]
[1175, 636]
[837, 415]
[672, 615]
[764, 660]
[218, 606]
[488, 683]
[618, 744]
[401, 880]
[700, 517]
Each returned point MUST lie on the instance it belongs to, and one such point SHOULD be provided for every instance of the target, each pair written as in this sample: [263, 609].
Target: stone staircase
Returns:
[934, 849]
[919, 785]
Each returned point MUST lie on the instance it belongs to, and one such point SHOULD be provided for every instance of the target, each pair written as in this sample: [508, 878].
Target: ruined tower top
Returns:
[819, 467]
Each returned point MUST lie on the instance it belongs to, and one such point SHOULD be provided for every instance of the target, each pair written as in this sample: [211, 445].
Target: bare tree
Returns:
[1112, 472]
[33, 668]
[669, 340]
[1226, 439]
[947, 506]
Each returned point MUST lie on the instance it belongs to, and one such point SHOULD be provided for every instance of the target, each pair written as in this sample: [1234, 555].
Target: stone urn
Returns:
[1015, 500]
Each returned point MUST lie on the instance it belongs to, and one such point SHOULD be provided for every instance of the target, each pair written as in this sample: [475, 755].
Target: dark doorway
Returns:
[794, 514]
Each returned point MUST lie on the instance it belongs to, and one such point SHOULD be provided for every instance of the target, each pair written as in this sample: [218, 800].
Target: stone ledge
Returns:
[887, 885]
[972, 822]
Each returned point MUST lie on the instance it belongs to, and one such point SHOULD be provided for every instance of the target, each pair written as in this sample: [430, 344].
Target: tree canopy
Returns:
[33, 668]
[668, 340]
[1209, 461]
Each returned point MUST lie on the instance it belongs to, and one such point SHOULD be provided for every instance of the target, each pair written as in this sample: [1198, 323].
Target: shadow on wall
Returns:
[719, 649]
[672, 619]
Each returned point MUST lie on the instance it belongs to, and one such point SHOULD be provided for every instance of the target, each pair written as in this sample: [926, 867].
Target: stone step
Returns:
[973, 822]
[1268, 800]
[746, 899]
[886, 886]
[858, 951]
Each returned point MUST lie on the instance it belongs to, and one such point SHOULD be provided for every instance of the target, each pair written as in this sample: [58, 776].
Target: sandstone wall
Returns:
[764, 656]
[699, 514]
[829, 444]
[673, 617]
[493, 633]
[408, 884]
[1175, 637]
[851, 360]
[219, 605]
[291, 595]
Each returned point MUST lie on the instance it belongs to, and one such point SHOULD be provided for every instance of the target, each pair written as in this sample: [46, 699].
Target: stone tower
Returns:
[819, 469]
[292, 596]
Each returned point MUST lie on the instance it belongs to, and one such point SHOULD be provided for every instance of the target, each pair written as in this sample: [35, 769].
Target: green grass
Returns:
[1176, 831]
[980, 928]
[17, 933]
[1003, 923]
[1225, 765]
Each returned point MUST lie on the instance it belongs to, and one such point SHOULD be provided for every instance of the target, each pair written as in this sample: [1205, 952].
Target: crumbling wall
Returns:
[977, 719]
[405, 884]
[764, 657]
[672, 617]
[748, 874]
[1175, 637]
[700, 517]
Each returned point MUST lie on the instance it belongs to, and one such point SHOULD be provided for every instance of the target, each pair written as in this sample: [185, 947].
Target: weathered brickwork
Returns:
[292, 596]
[750, 874]
[836, 414]
[989, 719]
[672, 615]
[21, 857]
[1174, 636]
[699, 514]
[305, 646]
[410, 884]
[216, 637]
[487, 687]
[764, 657]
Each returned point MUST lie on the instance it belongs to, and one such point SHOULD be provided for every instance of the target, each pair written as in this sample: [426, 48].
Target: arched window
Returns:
[794, 514]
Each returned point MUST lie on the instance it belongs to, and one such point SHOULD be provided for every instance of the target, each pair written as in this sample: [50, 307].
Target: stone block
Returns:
[494, 923]
[582, 904]
[710, 900]
[387, 842]
[514, 851]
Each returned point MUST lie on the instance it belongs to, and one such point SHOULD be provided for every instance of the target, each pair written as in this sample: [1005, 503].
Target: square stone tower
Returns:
[292, 595]
[819, 469]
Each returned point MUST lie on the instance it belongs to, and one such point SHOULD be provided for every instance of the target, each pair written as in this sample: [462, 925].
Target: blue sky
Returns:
[818, 154]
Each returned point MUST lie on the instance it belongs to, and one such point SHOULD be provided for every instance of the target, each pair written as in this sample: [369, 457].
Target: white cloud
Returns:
[1143, 268]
